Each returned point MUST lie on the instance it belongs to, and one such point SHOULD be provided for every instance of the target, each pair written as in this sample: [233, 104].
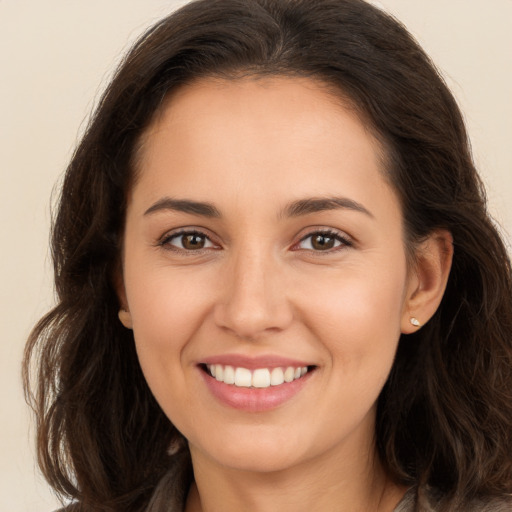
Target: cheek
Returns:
[358, 324]
[167, 309]
[357, 313]
[165, 305]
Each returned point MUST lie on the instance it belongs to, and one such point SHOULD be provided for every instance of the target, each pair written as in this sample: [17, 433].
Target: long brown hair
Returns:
[445, 415]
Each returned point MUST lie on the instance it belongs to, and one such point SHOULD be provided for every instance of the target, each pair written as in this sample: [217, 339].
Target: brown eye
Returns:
[323, 241]
[193, 241]
[188, 241]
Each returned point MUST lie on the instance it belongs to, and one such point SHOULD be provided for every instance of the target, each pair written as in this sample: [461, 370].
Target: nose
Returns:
[253, 300]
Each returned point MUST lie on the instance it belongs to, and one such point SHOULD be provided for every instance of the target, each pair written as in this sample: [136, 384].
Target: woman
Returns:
[279, 288]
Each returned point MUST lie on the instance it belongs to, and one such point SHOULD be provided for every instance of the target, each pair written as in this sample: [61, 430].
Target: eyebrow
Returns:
[314, 205]
[185, 206]
[294, 209]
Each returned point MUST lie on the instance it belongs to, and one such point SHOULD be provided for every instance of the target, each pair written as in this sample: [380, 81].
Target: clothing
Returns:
[408, 503]
[170, 495]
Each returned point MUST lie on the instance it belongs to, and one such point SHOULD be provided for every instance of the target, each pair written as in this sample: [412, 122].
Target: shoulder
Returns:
[492, 505]
[73, 507]
[429, 500]
[170, 493]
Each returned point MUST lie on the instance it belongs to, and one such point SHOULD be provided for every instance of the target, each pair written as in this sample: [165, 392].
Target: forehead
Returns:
[302, 99]
[263, 132]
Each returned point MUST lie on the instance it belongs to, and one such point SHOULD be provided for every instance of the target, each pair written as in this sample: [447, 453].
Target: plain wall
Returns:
[55, 58]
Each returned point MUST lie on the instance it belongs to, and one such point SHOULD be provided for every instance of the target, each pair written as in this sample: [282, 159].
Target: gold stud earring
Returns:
[414, 321]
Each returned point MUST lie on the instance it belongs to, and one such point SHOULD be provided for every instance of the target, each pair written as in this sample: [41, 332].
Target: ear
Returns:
[124, 312]
[427, 280]
[126, 318]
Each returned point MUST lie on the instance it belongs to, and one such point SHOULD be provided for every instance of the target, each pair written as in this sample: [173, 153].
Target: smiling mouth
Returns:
[259, 378]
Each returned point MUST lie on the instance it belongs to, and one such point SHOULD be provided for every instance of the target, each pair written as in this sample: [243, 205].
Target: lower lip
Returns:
[254, 399]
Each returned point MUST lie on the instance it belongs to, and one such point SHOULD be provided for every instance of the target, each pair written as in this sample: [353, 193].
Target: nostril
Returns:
[250, 324]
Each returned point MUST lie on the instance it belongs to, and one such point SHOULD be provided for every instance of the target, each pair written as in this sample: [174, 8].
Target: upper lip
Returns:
[253, 363]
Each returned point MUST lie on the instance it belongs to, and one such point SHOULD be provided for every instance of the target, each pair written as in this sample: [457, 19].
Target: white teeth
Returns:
[259, 378]
[229, 375]
[243, 377]
[289, 374]
[276, 377]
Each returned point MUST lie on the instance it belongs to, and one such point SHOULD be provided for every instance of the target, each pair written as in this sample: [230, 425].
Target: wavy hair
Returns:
[444, 417]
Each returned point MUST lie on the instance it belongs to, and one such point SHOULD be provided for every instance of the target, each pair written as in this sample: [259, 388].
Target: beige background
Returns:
[55, 57]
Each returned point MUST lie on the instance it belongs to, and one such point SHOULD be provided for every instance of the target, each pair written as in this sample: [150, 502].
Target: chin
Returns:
[259, 463]
[254, 455]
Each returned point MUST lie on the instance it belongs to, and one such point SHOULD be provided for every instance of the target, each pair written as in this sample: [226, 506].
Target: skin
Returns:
[258, 286]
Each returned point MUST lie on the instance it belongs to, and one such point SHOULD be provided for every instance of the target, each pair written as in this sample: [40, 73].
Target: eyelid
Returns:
[346, 240]
[164, 240]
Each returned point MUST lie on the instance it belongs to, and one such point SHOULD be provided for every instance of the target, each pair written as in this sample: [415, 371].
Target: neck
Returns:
[323, 484]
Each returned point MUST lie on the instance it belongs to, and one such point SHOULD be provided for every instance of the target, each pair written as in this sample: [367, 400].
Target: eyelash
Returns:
[165, 242]
[344, 241]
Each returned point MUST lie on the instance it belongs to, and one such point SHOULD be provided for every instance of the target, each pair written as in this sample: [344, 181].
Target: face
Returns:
[264, 271]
